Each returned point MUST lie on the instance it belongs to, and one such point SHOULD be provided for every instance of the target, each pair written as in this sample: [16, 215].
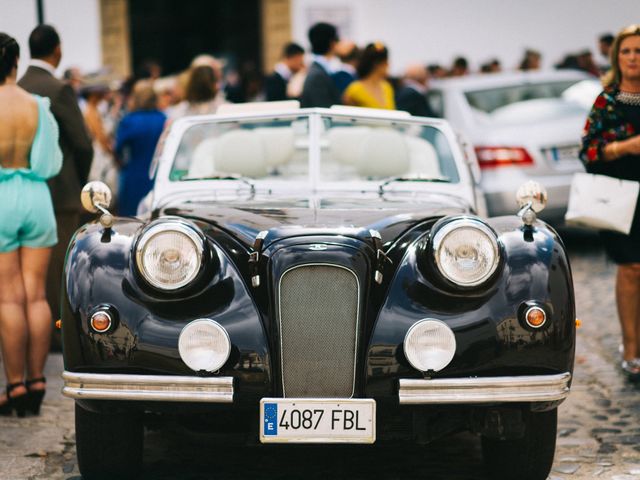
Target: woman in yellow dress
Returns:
[372, 90]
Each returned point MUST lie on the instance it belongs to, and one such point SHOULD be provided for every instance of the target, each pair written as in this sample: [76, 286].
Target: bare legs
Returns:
[25, 318]
[628, 301]
[13, 321]
[34, 262]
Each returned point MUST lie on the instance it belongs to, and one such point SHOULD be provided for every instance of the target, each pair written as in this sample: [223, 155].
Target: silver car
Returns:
[524, 126]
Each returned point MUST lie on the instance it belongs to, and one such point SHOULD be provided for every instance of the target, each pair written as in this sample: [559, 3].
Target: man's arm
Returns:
[65, 108]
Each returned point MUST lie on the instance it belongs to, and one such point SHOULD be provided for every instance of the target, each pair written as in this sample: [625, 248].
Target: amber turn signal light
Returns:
[578, 323]
[58, 324]
[100, 321]
[535, 317]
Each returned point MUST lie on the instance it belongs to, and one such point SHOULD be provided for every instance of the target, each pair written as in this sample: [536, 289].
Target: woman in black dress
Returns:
[611, 146]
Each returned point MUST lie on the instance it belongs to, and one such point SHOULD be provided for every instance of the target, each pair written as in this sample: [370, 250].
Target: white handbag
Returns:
[602, 202]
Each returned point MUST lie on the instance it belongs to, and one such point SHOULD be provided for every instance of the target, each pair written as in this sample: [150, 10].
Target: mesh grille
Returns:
[318, 324]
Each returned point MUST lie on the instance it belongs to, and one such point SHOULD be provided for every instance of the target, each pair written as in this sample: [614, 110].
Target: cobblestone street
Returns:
[599, 424]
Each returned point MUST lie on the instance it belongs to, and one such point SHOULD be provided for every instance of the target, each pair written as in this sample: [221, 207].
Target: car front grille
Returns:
[318, 313]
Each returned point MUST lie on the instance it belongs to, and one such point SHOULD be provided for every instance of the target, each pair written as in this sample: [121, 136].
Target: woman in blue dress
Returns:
[136, 140]
[29, 154]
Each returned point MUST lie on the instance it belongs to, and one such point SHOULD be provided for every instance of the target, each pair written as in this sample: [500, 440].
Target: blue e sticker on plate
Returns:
[271, 419]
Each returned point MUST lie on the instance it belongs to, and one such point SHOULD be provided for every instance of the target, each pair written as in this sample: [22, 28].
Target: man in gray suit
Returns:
[77, 151]
[319, 89]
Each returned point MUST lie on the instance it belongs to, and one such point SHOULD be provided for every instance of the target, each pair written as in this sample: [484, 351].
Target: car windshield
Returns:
[492, 99]
[249, 149]
[332, 149]
[363, 149]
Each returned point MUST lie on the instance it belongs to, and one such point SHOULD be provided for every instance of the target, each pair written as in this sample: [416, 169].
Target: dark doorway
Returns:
[173, 32]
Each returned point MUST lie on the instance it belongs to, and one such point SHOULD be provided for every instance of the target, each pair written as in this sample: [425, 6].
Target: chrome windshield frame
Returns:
[166, 189]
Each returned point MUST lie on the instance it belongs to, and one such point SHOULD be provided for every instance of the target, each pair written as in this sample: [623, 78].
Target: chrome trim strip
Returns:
[355, 359]
[533, 388]
[162, 388]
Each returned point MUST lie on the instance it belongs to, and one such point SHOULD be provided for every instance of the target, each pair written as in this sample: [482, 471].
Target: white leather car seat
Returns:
[241, 152]
[203, 162]
[345, 143]
[278, 144]
[383, 153]
[423, 157]
[251, 153]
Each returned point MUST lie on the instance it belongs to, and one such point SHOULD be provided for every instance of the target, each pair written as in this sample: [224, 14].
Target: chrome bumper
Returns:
[163, 388]
[534, 388]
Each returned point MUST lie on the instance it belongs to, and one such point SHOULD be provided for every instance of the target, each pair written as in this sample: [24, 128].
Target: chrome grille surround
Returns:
[318, 349]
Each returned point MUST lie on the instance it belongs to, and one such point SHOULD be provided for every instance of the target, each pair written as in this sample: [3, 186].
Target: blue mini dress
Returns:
[26, 211]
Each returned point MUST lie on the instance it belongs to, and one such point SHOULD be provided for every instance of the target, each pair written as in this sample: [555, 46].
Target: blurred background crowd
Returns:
[110, 105]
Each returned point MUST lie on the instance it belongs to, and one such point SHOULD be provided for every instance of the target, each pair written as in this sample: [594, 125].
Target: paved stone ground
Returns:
[599, 426]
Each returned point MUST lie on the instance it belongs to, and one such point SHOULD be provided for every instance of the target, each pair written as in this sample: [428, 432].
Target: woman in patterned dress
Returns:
[611, 146]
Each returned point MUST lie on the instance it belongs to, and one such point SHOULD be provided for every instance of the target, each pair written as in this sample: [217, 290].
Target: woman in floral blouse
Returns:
[611, 146]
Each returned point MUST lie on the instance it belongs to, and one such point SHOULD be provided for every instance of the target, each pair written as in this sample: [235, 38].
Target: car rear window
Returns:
[491, 99]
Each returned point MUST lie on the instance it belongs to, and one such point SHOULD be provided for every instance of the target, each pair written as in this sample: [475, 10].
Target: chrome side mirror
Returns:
[96, 197]
[531, 198]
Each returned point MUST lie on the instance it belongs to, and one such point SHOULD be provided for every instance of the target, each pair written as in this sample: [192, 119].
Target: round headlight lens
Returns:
[204, 345]
[429, 345]
[466, 251]
[169, 255]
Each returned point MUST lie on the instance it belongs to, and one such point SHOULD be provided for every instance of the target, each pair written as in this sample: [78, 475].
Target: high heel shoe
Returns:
[17, 403]
[34, 397]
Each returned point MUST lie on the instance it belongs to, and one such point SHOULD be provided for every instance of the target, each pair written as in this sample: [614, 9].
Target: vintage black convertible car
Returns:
[319, 276]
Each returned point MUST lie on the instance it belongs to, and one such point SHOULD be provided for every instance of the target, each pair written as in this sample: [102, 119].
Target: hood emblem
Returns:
[318, 246]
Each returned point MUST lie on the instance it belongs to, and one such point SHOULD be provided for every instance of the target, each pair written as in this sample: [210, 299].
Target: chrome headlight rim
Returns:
[162, 226]
[442, 230]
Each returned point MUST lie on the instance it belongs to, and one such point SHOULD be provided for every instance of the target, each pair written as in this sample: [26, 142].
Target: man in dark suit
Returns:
[292, 62]
[77, 151]
[319, 88]
[412, 96]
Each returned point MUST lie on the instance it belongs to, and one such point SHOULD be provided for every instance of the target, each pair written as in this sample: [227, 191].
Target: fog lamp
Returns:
[429, 345]
[204, 345]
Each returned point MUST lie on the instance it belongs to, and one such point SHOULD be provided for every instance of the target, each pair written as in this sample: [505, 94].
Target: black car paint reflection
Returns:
[490, 333]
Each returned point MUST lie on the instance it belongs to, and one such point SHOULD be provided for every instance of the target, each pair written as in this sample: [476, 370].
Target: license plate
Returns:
[305, 420]
[564, 154]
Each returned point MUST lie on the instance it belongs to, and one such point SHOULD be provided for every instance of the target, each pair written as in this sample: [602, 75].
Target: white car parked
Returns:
[524, 126]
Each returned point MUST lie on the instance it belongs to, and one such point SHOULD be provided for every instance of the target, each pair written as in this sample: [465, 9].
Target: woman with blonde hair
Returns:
[372, 90]
[611, 146]
[201, 94]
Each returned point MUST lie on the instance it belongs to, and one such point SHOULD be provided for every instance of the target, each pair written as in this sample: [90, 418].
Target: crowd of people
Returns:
[124, 119]
[56, 134]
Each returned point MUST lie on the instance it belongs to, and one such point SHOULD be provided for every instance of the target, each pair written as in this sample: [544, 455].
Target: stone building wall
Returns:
[115, 39]
[276, 30]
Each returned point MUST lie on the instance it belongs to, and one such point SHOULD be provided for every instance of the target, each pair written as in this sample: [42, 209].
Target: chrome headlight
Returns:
[169, 255]
[466, 251]
[429, 345]
[204, 344]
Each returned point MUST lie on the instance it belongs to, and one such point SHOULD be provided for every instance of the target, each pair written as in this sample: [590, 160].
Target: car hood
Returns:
[327, 214]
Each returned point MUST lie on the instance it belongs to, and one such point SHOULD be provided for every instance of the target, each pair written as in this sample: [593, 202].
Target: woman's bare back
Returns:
[18, 125]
